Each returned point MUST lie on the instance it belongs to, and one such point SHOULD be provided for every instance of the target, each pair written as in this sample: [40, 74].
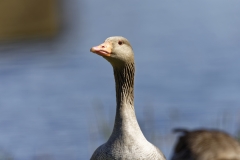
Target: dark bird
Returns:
[205, 144]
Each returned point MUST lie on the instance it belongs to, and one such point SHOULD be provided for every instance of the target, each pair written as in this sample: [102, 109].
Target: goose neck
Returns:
[126, 124]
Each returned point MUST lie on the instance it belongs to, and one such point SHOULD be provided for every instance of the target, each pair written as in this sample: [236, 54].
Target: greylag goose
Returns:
[204, 144]
[127, 141]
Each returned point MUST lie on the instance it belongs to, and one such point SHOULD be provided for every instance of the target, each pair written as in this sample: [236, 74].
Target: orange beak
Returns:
[104, 49]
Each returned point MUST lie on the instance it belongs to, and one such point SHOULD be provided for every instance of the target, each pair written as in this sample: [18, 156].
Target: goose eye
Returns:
[120, 42]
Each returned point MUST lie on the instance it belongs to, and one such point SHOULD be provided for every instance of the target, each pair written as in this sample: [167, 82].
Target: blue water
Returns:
[187, 75]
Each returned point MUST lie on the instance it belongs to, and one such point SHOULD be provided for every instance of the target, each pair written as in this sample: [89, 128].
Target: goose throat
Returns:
[124, 83]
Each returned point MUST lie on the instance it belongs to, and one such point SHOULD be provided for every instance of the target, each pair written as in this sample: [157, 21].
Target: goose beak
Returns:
[104, 49]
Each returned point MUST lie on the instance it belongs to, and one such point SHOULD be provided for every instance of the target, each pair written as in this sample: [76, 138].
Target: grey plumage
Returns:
[205, 144]
[127, 141]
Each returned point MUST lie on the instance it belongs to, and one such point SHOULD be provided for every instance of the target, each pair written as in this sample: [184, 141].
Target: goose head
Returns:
[117, 50]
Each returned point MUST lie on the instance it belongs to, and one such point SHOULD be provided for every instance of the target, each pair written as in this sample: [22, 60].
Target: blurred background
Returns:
[57, 100]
